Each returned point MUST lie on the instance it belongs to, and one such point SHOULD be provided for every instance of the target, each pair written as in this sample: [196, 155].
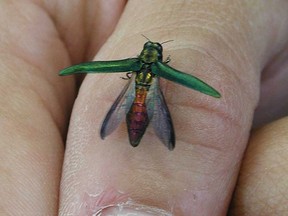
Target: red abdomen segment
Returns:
[137, 118]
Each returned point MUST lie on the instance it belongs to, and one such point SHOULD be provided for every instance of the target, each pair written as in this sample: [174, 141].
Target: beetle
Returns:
[142, 100]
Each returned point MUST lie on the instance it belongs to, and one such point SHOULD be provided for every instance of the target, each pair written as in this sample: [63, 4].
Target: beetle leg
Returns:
[128, 76]
[168, 59]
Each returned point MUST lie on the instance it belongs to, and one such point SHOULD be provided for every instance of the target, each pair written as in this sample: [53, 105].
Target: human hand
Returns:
[35, 101]
[226, 44]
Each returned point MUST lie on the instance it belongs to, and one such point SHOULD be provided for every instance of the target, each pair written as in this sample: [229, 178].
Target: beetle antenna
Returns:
[167, 41]
[145, 37]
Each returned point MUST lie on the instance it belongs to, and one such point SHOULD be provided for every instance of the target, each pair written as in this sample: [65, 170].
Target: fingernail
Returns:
[131, 209]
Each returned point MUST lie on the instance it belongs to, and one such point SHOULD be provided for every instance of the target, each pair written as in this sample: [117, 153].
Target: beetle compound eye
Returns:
[159, 47]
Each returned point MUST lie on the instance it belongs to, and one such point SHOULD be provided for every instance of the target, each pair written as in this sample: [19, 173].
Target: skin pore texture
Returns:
[238, 47]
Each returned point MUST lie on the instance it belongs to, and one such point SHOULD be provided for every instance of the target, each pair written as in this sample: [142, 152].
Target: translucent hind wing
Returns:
[160, 116]
[119, 109]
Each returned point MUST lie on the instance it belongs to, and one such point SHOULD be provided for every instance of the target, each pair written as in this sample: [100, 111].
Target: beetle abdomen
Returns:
[137, 117]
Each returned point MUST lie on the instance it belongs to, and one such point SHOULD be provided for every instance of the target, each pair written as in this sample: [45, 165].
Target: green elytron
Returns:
[142, 100]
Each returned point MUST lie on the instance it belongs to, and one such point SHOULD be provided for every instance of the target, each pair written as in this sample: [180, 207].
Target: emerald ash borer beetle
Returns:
[142, 100]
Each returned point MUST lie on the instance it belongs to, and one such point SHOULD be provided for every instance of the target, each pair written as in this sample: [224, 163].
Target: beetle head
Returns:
[152, 52]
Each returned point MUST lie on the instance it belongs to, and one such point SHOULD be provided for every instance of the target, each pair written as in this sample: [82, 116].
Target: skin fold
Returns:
[239, 47]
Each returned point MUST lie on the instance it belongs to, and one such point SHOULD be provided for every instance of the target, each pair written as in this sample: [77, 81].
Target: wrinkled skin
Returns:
[238, 47]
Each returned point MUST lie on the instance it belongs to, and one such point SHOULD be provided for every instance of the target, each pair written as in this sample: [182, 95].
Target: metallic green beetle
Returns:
[142, 100]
